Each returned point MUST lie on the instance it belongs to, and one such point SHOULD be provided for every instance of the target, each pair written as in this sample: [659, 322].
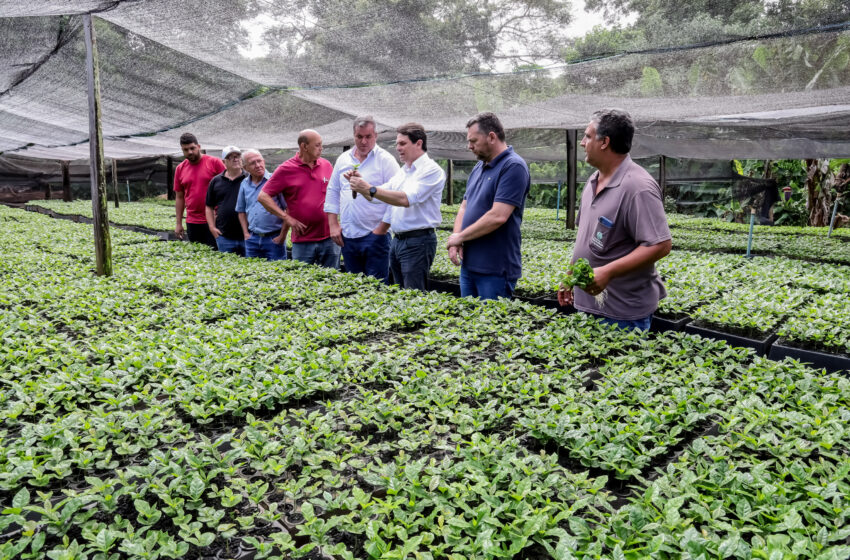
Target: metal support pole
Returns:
[115, 181]
[832, 219]
[750, 239]
[169, 178]
[128, 190]
[662, 176]
[66, 181]
[102, 241]
[572, 137]
[450, 182]
[558, 203]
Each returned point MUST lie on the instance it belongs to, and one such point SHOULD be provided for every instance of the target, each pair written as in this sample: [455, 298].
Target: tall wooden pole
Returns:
[115, 181]
[572, 163]
[66, 181]
[102, 241]
[450, 172]
[662, 176]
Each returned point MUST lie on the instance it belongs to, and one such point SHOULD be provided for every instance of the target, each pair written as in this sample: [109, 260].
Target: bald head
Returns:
[309, 146]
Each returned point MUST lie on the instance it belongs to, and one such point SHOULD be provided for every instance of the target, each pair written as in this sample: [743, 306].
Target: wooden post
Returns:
[115, 181]
[572, 163]
[662, 176]
[169, 178]
[66, 181]
[450, 172]
[102, 241]
[48, 191]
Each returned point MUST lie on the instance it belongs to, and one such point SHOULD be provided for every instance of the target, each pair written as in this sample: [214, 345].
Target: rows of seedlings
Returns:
[198, 405]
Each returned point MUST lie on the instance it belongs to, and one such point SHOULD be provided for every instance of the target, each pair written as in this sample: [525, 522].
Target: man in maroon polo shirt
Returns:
[621, 228]
[303, 181]
[191, 180]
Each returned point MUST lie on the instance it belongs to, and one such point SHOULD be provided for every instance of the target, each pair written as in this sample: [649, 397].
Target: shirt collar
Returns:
[420, 160]
[616, 178]
[503, 154]
[251, 180]
[354, 156]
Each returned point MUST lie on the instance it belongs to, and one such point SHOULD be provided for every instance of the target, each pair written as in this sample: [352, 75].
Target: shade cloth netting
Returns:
[255, 72]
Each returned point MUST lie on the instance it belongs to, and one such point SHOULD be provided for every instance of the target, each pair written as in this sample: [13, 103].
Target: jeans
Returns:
[200, 233]
[626, 324]
[226, 245]
[368, 255]
[323, 253]
[264, 248]
[411, 259]
[485, 286]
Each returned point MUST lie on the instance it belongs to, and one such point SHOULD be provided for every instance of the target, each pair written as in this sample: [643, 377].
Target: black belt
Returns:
[414, 233]
[268, 234]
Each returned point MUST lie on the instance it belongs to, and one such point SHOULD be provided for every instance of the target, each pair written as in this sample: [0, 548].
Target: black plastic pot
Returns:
[760, 346]
[660, 324]
[829, 362]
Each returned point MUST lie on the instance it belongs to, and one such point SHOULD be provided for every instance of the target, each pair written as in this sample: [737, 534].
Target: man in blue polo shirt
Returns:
[265, 233]
[486, 238]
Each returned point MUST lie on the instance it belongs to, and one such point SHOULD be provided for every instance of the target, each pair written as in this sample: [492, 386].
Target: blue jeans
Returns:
[411, 259]
[485, 286]
[264, 248]
[368, 255]
[323, 253]
[226, 245]
[626, 324]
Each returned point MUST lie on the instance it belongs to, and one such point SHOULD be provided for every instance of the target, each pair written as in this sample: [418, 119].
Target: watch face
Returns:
[373, 190]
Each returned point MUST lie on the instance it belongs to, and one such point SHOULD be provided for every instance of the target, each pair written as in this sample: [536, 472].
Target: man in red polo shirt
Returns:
[191, 180]
[303, 181]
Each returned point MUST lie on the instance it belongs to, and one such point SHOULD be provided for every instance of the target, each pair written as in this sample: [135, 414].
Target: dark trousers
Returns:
[368, 255]
[200, 233]
[411, 259]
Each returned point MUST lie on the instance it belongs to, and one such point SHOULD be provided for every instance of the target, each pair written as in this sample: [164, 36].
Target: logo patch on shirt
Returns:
[326, 179]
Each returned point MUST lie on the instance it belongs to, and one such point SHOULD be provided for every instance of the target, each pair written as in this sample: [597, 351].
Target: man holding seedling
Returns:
[413, 195]
[621, 229]
[486, 239]
[191, 180]
[264, 233]
[356, 222]
[222, 218]
[303, 182]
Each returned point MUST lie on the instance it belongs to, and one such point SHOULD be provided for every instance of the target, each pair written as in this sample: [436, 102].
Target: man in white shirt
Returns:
[356, 223]
[413, 195]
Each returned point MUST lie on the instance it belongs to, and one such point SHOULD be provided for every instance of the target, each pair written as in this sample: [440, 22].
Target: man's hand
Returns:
[279, 239]
[296, 225]
[565, 296]
[216, 232]
[456, 255]
[601, 278]
[454, 240]
[178, 231]
[351, 173]
[359, 185]
[246, 235]
[336, 234]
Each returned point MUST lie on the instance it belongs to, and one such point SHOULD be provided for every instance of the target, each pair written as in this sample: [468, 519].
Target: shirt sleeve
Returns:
[240, 199]
[178, 174]
[513, 186]
[419, 188]
[647, 220]
[277, 182]
[218, 166]
[334, 188]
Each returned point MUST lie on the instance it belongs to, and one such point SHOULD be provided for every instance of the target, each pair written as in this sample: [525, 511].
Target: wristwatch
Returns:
[372, 191]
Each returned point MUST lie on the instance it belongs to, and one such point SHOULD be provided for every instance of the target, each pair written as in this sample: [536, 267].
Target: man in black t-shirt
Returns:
[222, 217]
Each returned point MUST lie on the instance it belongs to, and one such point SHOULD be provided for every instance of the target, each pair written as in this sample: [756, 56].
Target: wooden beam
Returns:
[572, 163]
[115, 181]
[450, 172]
[102, 241]
[66, 181]
[662, 176]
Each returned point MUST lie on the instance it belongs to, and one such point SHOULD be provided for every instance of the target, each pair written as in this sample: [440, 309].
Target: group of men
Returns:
[382, 216]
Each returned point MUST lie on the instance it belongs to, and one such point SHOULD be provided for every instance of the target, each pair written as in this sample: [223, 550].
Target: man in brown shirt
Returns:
[621, 228]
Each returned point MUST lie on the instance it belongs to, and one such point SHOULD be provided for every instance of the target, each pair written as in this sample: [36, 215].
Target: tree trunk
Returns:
[819, 195]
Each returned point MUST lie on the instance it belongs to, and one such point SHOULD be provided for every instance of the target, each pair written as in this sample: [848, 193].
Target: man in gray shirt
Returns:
[621, 228]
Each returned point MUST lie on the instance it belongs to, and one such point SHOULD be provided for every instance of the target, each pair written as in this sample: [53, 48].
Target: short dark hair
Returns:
[488, 122]
[188, 138]
[618, 126]
[415, 132]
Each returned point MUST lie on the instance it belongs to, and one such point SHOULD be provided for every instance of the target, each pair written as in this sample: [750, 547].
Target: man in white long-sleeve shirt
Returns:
[414, 194]
[356, 223]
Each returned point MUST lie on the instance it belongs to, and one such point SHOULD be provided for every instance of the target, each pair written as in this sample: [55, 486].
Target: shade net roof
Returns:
[255, 72]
